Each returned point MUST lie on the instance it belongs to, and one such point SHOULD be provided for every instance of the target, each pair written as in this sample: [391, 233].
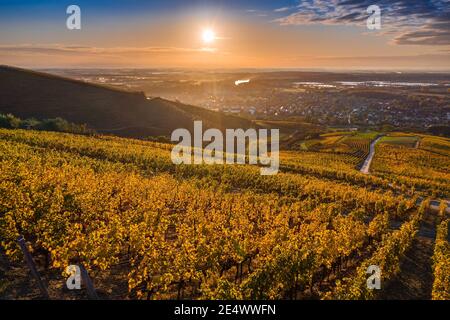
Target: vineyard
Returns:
[424, 169]
[124, 211]
[351, 147]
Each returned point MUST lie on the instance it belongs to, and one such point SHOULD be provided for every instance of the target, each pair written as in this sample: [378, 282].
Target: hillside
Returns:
[26, 94]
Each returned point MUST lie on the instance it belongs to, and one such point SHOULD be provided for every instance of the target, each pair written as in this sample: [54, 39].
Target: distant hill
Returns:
[27, 94]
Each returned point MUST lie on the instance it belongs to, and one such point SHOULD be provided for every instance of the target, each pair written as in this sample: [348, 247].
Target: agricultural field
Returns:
[435, 145]
[353, 146]
[415, 162]
[406, 141]
[124, 211]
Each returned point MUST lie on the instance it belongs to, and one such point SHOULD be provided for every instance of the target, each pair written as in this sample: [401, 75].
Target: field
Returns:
[342, 148]
[419, 163]
[124, 211]
[406, 141]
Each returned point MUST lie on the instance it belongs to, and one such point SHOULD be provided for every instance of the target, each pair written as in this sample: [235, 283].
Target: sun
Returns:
[208, 36]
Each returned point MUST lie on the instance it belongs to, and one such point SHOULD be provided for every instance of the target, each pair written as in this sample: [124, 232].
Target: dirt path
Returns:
[415, 279]
[366, 165]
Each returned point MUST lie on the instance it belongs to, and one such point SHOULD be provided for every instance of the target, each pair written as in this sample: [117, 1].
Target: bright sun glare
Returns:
[208, 36]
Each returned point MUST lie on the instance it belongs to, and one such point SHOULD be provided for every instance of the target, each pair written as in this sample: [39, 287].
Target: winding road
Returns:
[434, 204]
[366, 165]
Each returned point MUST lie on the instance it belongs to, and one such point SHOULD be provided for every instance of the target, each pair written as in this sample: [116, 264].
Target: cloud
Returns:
[418, 22]
[257, 13]
[283, 9]
[57, 49]
[59, 55]
[390, 58]
[431, 62]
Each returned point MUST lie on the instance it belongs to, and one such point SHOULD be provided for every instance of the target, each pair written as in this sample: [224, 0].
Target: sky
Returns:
[303, 34]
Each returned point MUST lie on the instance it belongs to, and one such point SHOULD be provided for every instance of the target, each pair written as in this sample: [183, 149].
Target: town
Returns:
[402, 100]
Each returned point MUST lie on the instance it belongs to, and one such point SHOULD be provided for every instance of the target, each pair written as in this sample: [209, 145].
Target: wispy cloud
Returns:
[437, 61]
[418, 22]
[59, 55]
[391, 58]
[57, 49]
[257, 12]
[283, 9]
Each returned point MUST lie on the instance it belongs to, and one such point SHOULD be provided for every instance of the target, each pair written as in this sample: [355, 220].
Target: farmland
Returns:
[214, 232]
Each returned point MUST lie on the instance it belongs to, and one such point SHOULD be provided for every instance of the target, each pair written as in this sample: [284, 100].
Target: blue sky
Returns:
[128, 7]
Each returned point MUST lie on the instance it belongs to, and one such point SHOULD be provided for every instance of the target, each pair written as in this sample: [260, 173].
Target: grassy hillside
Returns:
[27, 94]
